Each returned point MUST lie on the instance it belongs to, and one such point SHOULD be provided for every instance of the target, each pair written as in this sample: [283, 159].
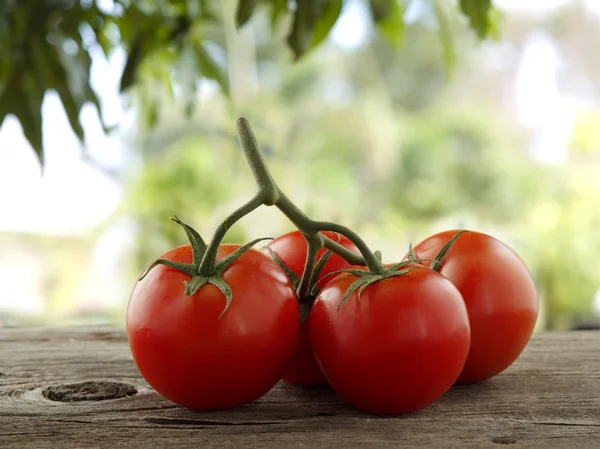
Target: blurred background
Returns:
[396, 129]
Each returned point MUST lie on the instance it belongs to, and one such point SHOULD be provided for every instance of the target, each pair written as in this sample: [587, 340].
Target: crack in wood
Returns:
[207, 422]
[558, 423]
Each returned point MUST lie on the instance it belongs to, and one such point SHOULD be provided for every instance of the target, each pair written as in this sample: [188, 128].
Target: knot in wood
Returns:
[88, 391]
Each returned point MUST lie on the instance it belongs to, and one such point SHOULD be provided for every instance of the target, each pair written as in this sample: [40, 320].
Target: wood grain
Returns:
[549, 398]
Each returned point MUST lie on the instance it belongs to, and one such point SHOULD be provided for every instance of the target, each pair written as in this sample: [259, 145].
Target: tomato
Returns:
[500, 295]
[291, 249]
[399, 348]
[193, 358]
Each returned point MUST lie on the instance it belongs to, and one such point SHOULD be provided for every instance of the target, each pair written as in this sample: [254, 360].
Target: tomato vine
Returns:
[206, 270]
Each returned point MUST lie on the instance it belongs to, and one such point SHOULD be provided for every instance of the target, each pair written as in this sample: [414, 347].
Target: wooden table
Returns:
[78, 388]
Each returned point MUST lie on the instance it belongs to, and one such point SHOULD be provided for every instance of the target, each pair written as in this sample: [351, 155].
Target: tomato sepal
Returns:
[305, 302]
[436, 264]
[198, 280]
[196, 241]
[293, 277]
[366, 278]
[183, 267]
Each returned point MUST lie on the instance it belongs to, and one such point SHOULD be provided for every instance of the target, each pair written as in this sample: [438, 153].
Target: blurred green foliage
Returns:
[48, 45]
[376, 137]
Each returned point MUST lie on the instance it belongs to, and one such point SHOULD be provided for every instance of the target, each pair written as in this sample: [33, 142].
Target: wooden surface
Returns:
[550, 398]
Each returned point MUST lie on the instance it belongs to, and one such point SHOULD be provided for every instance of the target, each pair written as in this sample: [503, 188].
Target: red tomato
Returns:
[399, 348]
[291, 249]
[500, 295]
[199, 361]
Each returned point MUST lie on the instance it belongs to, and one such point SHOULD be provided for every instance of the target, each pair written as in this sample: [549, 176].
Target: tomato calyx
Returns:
[436, 262]
[366, 278]
[305, 300]
[199, 249]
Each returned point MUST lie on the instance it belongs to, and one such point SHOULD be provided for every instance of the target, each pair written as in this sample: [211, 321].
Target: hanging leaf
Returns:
[210, 68]
[494, 23]
[478, 12]
[327, 18]
[278, 9]
[134, 59]
[27, 107]
[300, 35]
[388, 17]
[148, 107]
[93, 98]
[446, 40]
[73, 110]
[49, 69]
[244, 11]
[312, 22]
[5, 102]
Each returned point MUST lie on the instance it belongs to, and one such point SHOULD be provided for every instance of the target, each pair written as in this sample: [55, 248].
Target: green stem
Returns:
[314, 245]
[349, 256]
[266, 185]
[209, 260]
[370, 259]
[270, 194]
[309, 228]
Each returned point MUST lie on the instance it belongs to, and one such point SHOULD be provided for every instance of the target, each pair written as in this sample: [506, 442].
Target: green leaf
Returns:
[300, 35]
[446, 40]
[244, 11]
[93, 97]
[46, 61]
[478, 12]
[388, 16]
[211, 69]
[5, 99]
[30, 116]
[151, 113]
[105, 43]
[134, 59]
[312, 21]
[3, 110]
[495, 18]
[327, 19]
[72, 109]
[278, 9]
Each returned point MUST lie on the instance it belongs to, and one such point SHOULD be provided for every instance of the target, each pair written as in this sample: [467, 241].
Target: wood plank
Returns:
[549, 398]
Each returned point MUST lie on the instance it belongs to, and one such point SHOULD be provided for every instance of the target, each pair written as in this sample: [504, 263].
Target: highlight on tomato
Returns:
[499, 292]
